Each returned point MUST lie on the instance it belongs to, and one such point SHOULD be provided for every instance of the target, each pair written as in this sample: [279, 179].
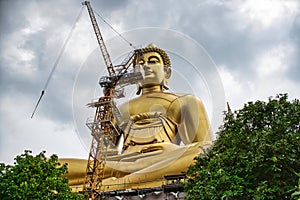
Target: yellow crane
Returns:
[104, 129]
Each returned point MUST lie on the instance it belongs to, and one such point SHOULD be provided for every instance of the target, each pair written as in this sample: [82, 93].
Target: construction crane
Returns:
[104, 129]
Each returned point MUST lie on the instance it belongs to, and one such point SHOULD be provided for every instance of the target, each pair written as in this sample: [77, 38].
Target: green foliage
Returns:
[296, 194]
[256, 155]
[35, 177]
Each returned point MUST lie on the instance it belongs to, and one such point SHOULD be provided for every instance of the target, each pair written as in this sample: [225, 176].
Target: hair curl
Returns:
[162, 53]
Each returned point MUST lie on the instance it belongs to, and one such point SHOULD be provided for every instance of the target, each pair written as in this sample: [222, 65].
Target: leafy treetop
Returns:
[256, 155]
[35, 177]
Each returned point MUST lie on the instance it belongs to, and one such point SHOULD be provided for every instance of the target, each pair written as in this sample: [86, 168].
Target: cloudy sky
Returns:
[222, 51]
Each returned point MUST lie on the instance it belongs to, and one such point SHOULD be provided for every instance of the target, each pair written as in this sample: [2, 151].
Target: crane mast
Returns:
[104, 133]
[103, 127]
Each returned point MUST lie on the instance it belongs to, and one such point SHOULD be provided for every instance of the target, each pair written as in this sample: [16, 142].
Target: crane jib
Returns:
[100, 40]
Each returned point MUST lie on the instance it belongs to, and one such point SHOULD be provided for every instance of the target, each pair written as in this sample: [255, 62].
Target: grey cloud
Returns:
[210, 23]
[294, 71]
[36, 43]
[225, 41]
[15, 16]
[10, 15]
[295, 30]
[216, 32]
[109, 5]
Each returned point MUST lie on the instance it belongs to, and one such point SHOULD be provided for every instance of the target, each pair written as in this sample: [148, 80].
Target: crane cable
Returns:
[57, 60]
[63, 49]
[130, 44]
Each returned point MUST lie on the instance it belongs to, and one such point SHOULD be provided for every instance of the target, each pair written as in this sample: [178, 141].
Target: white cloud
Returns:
[268, 78]
[265, 13]
[35, 134]
[236, 89]
[274, 61]
[230, 82]
[18, 58]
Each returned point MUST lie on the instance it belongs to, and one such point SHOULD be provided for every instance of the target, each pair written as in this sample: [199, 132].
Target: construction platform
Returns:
[171, 189]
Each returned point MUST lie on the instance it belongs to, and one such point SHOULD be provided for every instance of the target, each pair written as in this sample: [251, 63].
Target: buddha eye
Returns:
[153, 60]
[141, 62]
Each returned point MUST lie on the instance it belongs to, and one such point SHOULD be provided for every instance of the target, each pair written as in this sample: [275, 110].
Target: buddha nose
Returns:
[145, 66]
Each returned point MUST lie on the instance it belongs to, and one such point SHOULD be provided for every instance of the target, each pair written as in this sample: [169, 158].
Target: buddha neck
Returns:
[149, 89]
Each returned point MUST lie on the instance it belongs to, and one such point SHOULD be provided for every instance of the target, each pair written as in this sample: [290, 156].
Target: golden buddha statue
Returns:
[163, 132]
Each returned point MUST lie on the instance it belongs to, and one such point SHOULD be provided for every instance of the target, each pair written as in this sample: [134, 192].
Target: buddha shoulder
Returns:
[164, 99]
[153, 97]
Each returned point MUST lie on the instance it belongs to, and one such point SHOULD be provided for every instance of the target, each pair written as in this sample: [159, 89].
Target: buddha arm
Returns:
[193, 123]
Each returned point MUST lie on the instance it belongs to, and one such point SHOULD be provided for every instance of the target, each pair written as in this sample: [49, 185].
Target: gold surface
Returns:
[163, 132]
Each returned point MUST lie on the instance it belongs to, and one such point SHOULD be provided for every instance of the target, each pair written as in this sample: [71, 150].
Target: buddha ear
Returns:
[165, 83]
[168, 72]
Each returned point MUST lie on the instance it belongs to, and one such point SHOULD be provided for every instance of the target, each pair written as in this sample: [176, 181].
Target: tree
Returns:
[256, 155]
[35, 177]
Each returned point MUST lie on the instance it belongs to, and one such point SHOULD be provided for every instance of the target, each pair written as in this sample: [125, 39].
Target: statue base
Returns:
[171, 188]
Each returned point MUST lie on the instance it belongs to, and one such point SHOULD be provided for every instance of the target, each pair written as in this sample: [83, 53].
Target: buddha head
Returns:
[157, 67]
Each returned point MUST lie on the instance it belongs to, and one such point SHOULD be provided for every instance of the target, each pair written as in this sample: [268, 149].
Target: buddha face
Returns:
[155, 72]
